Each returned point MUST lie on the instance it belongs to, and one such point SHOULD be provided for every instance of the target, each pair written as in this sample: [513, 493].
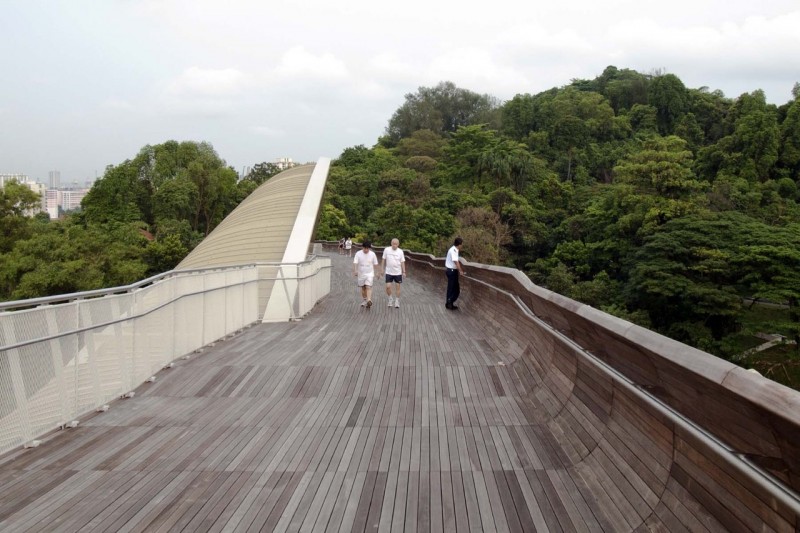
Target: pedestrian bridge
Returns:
[522, 411]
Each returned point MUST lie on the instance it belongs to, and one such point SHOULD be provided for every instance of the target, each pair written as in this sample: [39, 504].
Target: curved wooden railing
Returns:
[689, 421]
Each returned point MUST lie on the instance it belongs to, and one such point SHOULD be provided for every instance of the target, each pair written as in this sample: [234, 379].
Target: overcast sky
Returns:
[86, 83]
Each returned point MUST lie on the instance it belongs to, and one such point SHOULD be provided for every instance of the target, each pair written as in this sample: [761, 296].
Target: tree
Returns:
[441, 109]
[176, 199]
[65, 257]
[682, 276]
[132, 191]
[690, 131]
[215, 187]
[757, 138]
[486, 234]
[421, 143]
[709, 109]
[164, 254]
[670, 98]
[462, 156]
[261, 172]
[520, 116]
[119, 196]
[623, 88]
[662, 166]
[644, 118]
[790, 140]
[751, 148]
[332, 224]
[510, 164]
[16, 200]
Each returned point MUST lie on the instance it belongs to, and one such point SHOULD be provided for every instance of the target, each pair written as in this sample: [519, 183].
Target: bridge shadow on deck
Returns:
[349, 420]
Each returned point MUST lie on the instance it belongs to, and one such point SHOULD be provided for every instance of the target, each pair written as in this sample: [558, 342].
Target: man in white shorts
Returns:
[348, 246]
[394, 268]
[364, 269]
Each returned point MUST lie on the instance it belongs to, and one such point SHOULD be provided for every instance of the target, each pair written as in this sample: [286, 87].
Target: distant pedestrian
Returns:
[394, 268]
[454, 270]
[364, 270]
[341, 246]
[348, 246]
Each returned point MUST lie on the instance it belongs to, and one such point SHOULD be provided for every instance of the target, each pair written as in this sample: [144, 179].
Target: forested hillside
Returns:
[655, 202]
[673, 207]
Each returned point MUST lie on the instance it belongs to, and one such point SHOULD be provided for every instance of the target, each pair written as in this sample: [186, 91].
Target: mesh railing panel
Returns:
[60, 361]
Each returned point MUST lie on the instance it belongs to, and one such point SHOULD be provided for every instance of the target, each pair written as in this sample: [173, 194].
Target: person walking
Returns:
[453, 271]
[364, 270]
[341, 246]
[348, 245]
[393, 264]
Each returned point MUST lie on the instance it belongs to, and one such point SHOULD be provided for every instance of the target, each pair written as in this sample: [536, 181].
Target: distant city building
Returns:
[52, 202]
[284, 162]
[21, 178]
[54, 179]
[72, 199]
[58, 201]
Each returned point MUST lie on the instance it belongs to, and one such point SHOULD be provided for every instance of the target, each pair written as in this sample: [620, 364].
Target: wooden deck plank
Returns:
[411, 419]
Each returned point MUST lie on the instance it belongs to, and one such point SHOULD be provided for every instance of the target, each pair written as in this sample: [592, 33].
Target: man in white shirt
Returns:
[394, 268]
[364, 269]
[453, 271]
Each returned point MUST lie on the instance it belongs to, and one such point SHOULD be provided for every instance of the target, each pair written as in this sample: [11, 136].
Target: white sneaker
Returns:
[390, 302]
[397, 303]
[363, 303]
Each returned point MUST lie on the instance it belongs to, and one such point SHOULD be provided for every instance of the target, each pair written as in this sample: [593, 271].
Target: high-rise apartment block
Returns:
[58, 201]
[54, 179]
[20, 178]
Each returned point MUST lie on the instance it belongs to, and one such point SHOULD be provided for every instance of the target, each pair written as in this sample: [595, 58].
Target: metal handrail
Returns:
[766, 481]
[164, 304]
[83, 295]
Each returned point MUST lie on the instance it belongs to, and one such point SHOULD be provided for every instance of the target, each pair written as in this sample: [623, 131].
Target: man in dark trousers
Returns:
[453, 270]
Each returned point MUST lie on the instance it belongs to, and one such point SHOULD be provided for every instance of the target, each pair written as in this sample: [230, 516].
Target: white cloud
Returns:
[119, 104]
[372, 90]
[534, 37]
[747, 55]
[390, 67]
[475, 69]
[299, 63]
[266, 131]
[305, 109]
[200, 107]
[201, 91]
[196, 81]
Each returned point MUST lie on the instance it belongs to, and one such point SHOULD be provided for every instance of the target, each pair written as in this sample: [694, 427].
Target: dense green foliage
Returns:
[655, 202]
[141, 218]
[672, 207]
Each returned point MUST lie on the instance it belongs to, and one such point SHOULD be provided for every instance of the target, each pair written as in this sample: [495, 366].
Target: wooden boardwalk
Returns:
[407, 419]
